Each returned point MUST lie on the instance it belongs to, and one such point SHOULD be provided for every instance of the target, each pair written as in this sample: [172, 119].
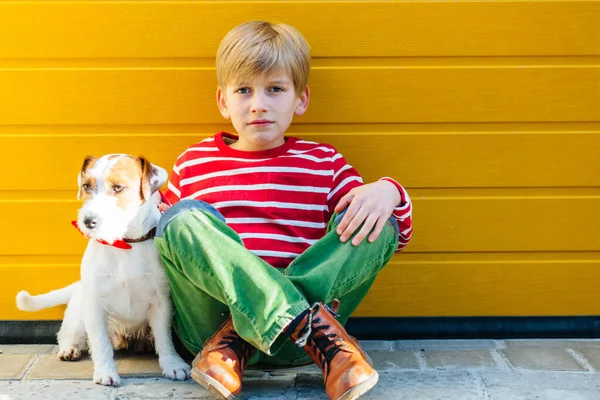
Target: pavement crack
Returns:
[581, 360]
[296, 394]
[501, 361]
[480, 386]
[31, 365]
[422, 361]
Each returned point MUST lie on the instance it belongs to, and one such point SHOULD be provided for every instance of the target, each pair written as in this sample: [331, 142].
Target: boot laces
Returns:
[242, 349]
[326, 345]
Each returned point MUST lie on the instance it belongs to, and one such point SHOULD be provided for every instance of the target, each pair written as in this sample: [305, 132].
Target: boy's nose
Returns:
[258, 103]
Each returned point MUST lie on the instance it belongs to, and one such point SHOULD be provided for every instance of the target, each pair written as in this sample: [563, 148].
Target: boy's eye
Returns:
[276, 89]
[243, 90]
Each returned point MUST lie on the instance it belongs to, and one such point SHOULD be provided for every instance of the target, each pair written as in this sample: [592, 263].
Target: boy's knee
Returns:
[184, 206]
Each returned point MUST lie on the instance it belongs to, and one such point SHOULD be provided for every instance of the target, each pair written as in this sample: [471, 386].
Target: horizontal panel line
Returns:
[395, 261]
[255, 2]
[298, 128]
[508, 198]
[417, 194]
[392, 262]
[323, 63]
[404, 257]
[491, 253]
[471, 262]
[370, 132]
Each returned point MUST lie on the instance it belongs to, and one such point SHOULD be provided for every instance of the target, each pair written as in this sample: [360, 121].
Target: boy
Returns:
[265, 230]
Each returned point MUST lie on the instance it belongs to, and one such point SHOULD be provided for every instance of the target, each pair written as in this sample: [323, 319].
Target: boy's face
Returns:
[261, 110]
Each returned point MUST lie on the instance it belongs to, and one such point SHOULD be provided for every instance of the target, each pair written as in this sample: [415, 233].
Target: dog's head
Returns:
[114, 187]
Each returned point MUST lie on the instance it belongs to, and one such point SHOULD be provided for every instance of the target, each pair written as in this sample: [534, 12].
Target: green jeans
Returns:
[212, 275]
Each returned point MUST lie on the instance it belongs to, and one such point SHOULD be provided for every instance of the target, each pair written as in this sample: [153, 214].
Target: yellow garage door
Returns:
[487, 111]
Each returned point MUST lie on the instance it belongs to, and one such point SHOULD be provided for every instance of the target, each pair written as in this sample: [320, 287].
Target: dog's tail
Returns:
[27, 302]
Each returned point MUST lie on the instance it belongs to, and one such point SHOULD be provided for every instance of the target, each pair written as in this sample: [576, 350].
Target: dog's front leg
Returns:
[105, 369]
[159, 318]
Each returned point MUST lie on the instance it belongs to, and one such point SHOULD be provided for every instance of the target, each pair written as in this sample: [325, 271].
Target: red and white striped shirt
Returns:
[280, 200]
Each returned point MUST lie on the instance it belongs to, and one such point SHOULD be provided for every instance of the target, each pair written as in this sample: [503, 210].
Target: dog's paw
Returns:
[176, 369]
[69, 354]
[24, 301]
[106, 377]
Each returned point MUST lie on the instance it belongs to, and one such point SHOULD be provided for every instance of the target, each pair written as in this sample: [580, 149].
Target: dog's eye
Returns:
[87, 187]
[118, 188]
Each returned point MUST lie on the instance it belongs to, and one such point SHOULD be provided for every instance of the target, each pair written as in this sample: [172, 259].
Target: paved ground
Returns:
[412, 370]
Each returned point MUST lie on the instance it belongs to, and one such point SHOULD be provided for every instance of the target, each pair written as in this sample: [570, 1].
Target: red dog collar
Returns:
[120, 244]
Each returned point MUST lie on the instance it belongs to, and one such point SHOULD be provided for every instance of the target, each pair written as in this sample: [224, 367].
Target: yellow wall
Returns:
[487, 111]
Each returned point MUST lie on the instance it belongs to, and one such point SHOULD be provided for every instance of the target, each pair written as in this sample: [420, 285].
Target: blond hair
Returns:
[257, 48]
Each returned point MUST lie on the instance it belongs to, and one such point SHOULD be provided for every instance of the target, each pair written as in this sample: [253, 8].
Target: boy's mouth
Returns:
[260, 122]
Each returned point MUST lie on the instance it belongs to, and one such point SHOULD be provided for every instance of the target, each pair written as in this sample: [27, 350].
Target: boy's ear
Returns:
[303, 99]
[222, 103]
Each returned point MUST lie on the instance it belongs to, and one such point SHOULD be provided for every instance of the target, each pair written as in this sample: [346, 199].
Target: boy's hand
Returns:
[162, 207]
[372, 204]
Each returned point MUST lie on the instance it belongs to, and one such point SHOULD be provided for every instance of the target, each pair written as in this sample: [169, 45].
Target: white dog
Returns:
[123, 293]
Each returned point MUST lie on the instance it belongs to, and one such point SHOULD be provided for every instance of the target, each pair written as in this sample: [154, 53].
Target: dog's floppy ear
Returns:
[153, 177]
[86, 163]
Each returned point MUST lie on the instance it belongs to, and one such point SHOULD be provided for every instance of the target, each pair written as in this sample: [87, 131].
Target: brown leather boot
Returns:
[345, 369]
[220, 365]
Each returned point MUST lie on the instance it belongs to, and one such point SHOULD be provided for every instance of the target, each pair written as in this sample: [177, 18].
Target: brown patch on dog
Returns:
[147, 173]
[139, 340]
[119, 342]
[126, 172]
[88, 163]
[85, 177]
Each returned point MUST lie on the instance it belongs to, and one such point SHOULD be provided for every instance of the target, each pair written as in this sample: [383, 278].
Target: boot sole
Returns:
[212, 385]
[361, 388]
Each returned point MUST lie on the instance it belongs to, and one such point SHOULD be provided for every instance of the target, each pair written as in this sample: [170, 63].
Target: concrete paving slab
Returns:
[459, 359]
[592, 356]
[566, 381]
[128, 365]
[439, 385]
[540, 394]
[12, 366]
[569, 344]
[394, 360]
[549, 359]
[50, 367]
[310, 387]
[467, 344]
[434, 385]
[138, 365]
[274, 387]
[53, 390]
[160, 388]
[380, 345]
[307, 369]
[27, 349]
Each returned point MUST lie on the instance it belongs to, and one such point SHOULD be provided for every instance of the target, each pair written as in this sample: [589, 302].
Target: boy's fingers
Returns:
[378, 228]
[353, 225]
[343, 202]
[364, 231]
[350, 212]
[162, 207]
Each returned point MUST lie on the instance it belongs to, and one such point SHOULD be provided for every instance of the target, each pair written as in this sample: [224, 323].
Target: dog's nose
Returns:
[90, 223]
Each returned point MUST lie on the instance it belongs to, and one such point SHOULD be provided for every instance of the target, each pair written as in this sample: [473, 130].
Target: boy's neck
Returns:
[241, 145]
[229, 141]
[226, 142]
